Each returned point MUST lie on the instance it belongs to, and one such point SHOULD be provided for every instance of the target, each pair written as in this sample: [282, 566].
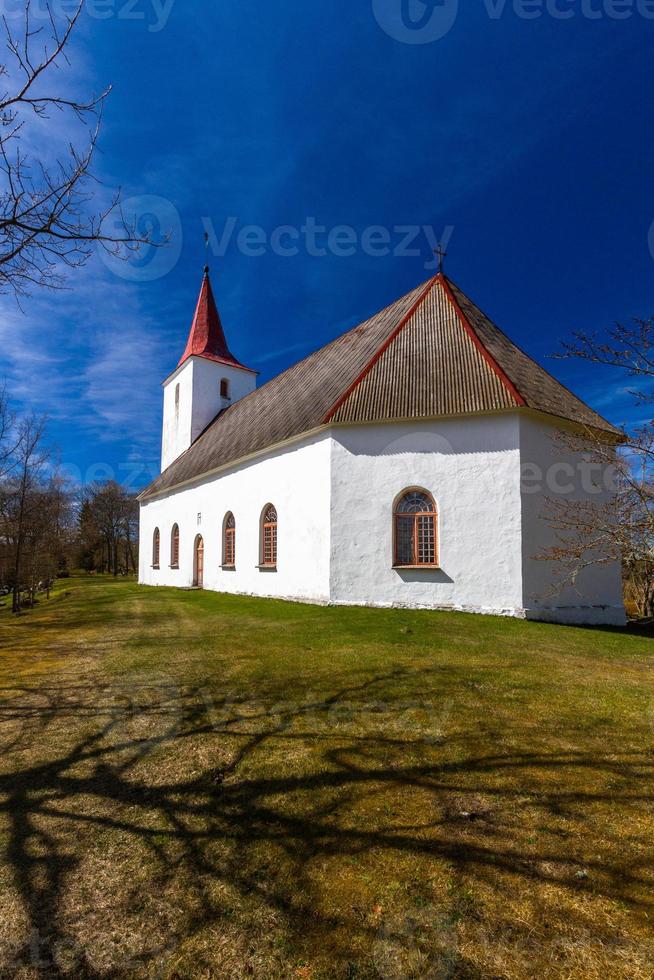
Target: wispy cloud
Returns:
[89, 356]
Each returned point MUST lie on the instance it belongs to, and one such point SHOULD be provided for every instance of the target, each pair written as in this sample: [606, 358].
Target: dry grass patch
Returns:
[210, 786]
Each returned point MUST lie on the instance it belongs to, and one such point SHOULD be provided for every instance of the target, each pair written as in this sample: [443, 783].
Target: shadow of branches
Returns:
[219, 797]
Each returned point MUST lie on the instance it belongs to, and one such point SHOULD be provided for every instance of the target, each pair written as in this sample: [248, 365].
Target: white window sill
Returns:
[419, 568]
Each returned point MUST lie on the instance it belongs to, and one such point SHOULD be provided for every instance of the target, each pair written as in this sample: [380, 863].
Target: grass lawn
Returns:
[196, 785]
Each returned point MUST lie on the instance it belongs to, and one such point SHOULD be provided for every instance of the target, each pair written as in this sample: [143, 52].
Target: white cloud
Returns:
[89, 357]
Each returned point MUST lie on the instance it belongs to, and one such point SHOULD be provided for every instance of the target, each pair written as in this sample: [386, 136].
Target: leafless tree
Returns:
[629, 347]
[36, 515]
[619, 526]
[7, 433]
[20, 497]
[108, 529]
[47, 220]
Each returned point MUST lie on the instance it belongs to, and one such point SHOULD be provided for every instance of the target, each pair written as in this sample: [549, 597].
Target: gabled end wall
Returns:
[553, 471]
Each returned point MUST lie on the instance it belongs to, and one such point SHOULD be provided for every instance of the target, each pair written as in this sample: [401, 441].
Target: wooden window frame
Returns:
[156, 547]
[268, 531]
[229, 541]
[174, 546]
[415, 563]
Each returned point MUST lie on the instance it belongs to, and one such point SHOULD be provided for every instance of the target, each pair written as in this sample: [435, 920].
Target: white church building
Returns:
[407, 463]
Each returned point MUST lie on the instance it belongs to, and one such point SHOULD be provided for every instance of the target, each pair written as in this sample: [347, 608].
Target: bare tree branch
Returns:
[618, 526]
[47, 221]
[629, 347]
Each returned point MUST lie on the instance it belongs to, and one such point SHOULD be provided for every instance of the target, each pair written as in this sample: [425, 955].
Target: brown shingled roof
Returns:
[431, 353]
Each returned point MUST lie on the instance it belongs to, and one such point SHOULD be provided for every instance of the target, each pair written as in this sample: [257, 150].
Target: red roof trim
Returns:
[221, 360]
[488, 357]
[378, 353]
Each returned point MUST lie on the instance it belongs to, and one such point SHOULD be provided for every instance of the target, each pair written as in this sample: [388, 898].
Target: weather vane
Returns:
[442, 254]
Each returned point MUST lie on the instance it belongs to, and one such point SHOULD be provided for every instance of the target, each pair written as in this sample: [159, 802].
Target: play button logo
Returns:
[416, 21]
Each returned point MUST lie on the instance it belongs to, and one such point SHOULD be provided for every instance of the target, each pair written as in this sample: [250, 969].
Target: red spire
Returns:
[207, 338]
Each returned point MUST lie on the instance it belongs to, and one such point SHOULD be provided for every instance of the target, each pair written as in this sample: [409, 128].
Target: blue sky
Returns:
[529, 138]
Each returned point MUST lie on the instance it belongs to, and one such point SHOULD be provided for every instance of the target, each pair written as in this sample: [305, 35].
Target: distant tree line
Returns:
[107, 530]
[48, 527]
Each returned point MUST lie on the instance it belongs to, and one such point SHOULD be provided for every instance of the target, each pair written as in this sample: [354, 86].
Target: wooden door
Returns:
[199, 562]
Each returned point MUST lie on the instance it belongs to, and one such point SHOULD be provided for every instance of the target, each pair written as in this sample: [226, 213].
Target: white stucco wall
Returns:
[471, 468]
[334, 493]
[552, 470]
[176, 431]
[199, 401]
[295, 480]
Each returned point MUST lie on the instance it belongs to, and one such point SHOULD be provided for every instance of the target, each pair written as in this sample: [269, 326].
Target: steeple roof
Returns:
[206, 337]
[431, 354]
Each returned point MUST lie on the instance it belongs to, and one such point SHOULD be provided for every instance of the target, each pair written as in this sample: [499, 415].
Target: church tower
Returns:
[207, 379]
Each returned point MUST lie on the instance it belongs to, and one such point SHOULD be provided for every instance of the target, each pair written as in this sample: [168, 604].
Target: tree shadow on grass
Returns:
[294, 785]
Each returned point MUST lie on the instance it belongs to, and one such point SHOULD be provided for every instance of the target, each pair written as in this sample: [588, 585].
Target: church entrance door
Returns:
[198, 562]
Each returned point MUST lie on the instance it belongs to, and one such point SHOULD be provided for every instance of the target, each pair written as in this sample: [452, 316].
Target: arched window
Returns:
[416, 537]
[174, 547]
[269, 536]
[229, 540]
[224, 388]
[156, 540]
